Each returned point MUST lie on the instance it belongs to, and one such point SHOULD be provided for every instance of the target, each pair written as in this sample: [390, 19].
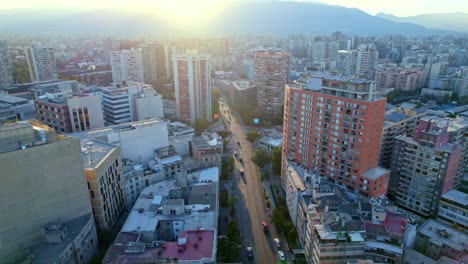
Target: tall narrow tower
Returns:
[192, 81]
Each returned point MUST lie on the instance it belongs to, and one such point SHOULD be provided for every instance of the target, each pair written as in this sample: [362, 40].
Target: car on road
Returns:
[277, 242]
[240, 160]
[241, 172]
[235, 153]
[250, 252]
[265, 227]
[238, 143]
[281, 255]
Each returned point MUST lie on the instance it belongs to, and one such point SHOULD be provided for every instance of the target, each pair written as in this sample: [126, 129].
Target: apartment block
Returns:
[127, 66]
[453, 209]
[103, 170]
[243, 93]
[425, 167]
[192, 82]
[6, 76]
[157, 62]
[46, 169]
[437, 241]
[398, 121]
[41, 63]
[67, 113]
[333, 124]
[138, 176]
[271, 74]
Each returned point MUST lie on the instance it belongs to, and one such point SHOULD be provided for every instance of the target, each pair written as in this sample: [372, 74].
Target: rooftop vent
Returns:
[141, 210]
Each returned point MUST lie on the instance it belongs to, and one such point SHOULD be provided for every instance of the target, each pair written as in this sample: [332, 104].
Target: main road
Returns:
[251, 209]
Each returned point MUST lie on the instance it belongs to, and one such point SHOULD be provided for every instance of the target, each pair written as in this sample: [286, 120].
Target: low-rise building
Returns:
[137, 177]
[453, 209]
[24, 108]
[207, 149]
[171, 163]
[437, 240]
[170, 222]
[270, 139]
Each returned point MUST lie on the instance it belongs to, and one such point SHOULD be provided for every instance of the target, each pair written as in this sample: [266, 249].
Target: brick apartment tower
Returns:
[192, 82]
[333, 126]
[271, 74]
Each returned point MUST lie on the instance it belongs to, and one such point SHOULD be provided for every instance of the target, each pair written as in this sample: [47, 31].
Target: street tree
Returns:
[253, 135]
[261, 158]
[276, 160]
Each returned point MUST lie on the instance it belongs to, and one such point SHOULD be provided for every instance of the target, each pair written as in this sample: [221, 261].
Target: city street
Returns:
[251, 210]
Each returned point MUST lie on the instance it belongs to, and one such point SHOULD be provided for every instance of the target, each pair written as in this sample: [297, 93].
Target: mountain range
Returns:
[457, 21]
[241, 18]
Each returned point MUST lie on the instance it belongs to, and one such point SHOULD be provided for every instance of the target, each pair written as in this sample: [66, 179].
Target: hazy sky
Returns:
[395, 7]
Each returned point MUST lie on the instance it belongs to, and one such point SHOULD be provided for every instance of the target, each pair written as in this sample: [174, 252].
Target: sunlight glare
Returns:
[187, 10]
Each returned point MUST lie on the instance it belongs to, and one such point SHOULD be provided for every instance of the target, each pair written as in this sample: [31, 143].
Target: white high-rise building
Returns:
[367, 59]
[318, 51]
[192, 82]
[41, 63]
[6, 77]
[127, 66]
[133, 102]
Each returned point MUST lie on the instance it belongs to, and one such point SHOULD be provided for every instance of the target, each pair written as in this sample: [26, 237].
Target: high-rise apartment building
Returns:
[67, 113]
[397, 122]
[6, 77]
[132, 102]
[333, 126]
[41, 63]
[424, 167]
[192, 81]
[44, 173]
[271, 74]
[367, 59]
[103, 170]
[127, 66]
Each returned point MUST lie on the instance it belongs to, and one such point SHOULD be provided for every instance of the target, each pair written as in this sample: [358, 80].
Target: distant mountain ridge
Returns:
[457, 21]
[241, 18]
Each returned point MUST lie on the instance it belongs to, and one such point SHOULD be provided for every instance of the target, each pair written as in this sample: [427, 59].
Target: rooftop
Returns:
[12, 100]
[441, 235]
[375, 173]
[94, 151]
[456, 196]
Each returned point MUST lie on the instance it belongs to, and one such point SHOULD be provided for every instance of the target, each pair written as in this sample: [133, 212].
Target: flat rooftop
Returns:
[243, 85]
[456, 196]
[94, 151]
[375, 173]
[441, 235]
[12, 100]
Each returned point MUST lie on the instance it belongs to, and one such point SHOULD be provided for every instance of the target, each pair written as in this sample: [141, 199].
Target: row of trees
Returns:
[261, 157]
[282, 221]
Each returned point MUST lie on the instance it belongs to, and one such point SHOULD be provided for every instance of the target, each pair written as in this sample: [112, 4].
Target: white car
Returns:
[277, 242]
[281, 255]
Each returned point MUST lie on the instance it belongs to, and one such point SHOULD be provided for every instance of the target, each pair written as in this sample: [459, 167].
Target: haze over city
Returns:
[235, 131]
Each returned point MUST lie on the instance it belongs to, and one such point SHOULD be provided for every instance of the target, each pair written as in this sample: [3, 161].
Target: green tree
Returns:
[261, 158]
[201, 124]
[215, 96]
[391, 96]
[454, 97]
[20, 72]
[276, 160]
[253, 135]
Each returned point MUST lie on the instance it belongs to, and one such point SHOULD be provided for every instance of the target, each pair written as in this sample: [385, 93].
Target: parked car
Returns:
[277, 242]
[241, 172]
[281, 255]
[250, 252]
[265, 227]
[240, 160]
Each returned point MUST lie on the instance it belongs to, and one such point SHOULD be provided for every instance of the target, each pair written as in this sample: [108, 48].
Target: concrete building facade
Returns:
[333, 124]
[453, 209]
[47, 171]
